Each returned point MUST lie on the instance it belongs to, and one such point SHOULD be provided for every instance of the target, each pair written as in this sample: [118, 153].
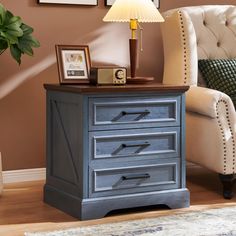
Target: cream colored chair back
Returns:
[192, 33]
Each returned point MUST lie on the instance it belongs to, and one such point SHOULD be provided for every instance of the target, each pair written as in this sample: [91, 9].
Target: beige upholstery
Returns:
[1, 182]
[189, 34]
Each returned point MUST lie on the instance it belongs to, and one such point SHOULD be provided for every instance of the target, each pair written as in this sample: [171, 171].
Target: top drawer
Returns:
[134, 112]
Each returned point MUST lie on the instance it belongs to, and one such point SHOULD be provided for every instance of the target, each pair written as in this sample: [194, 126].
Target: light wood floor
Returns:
[22, 208]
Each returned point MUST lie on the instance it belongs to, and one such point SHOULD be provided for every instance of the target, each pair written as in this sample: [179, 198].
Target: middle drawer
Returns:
[137, 143]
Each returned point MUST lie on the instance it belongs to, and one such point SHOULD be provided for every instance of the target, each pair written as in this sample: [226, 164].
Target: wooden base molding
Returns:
[93, 208]
[17, 176]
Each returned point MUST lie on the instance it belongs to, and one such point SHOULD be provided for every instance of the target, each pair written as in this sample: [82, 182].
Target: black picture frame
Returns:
[70, 2]
[110, 2]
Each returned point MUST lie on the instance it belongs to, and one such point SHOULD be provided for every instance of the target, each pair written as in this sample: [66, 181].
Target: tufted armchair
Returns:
[203, 32]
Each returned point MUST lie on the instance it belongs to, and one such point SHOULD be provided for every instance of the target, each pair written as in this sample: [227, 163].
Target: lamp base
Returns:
[139, 80]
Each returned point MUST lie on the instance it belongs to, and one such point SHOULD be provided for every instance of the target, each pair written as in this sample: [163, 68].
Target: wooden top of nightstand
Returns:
[150, 87]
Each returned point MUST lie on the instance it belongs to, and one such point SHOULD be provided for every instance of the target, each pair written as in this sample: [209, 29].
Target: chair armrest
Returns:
[206, 101]
[214, 129]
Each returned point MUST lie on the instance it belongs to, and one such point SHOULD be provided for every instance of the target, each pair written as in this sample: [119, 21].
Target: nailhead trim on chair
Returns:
[184, 44]
[223, 135]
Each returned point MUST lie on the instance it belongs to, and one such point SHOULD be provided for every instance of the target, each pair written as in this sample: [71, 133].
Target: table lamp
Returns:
[134, 11]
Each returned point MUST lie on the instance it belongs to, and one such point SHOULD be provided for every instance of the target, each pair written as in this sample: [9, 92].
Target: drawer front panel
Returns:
[157, 142]
[111, 113]
[134, 179]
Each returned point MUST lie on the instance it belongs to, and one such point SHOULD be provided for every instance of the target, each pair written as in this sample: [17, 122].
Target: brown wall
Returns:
[22, 97]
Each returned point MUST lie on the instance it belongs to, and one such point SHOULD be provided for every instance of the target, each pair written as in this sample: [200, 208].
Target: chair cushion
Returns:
[220, 74]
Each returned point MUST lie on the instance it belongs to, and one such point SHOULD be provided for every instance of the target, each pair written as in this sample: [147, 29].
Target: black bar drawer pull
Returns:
[146, 112]
[135, 145]
[138, 176]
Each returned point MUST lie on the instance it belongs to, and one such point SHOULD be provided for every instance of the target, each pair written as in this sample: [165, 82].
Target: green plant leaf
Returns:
[2, 14]
[16, 53]
[27, 30]
[29, 51]
[16, 35]
[8, 17]
[15, 19]
[35, 43]
[14, 32]
[24, 45]
[11, 39]
[3, 44]
[15, 29]
[25, 48]
[31, 40]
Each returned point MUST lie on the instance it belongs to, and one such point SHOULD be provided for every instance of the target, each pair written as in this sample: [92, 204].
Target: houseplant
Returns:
[15, 35]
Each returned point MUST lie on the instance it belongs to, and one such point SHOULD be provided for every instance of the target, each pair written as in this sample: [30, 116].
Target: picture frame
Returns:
[157, 3]
[110, 2]
[71, 2]
[73, 62]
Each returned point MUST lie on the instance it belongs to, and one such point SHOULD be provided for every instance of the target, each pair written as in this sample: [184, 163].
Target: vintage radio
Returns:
[108, 75]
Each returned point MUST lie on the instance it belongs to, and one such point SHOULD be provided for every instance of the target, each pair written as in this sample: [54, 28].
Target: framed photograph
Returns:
[157, 3]
[74, 2]
[110, 2]
[73, 63]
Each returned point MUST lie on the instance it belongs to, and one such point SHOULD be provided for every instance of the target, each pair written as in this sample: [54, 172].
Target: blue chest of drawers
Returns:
[115, 147]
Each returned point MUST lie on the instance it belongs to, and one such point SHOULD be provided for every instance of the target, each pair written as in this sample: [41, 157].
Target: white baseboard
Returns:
[15, 176]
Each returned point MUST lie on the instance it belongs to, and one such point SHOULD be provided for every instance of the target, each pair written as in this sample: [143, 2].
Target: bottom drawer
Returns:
[134, 179]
